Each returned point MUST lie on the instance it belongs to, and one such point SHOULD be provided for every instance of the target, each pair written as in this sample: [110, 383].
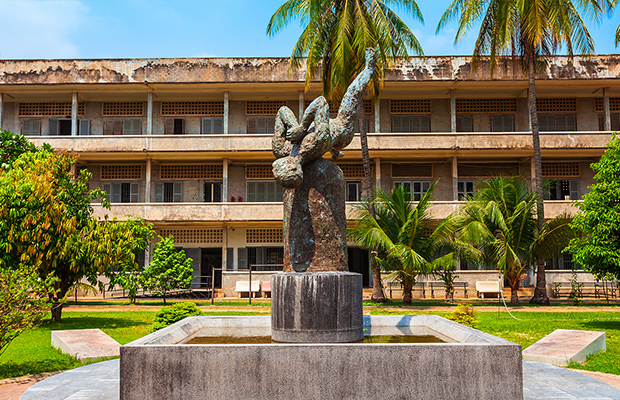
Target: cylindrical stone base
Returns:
[316, 307]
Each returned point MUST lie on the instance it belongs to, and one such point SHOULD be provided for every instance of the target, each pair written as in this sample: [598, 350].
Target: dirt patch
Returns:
[13, 388]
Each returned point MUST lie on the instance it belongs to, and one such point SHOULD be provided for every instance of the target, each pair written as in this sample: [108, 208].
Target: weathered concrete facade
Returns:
[186, 143]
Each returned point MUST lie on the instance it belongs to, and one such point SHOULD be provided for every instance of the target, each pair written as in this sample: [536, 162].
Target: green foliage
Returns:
[46, 221]
[14, 145]
[465, 314]
[23, 301]
[407, 240]
[576, 288]
[446, 275]
[336, 34]
[169, 315]
[555, 290]
[169, 270]
[598, 249]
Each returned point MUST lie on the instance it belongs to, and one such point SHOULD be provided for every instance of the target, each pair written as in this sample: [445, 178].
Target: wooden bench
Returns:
[266, 288]
[420, 286]
[586, 289]
[244, 287]
[442, 285]
[487, 287]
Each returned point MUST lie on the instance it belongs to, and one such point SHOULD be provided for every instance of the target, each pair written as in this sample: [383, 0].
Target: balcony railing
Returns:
[377, 142]
[263, 212]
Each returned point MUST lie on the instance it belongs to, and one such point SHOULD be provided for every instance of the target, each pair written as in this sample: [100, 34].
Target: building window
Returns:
[31, 127]
[465, 189]
[127, 126]
[354, 191]
[411, 123]
[265, 258]
[615, 122]
[502, 123]
[59, 127]
[169, 192]
[464, 123]
[561, 261]
[174, 126]
[261, 124]
[122, 192]
[264, 191]
[212, 126]
[550, 123]
[561, 189]
[212, 192]
[415, 188]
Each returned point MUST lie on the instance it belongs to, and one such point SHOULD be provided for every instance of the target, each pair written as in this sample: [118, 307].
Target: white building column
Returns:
[74, 114]
[224, 247]
[1, 108]
[377, 115]
[302, 105]
[226, 112]
[225, 163]
[607, 109]
[455, 179]
[377, 173]
[149, 114]
[452, 111]
[147, 186]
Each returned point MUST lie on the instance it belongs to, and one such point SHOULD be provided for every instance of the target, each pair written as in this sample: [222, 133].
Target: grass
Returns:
[32, 353]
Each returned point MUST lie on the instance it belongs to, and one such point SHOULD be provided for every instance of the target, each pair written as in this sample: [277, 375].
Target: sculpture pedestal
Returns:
[317, 307]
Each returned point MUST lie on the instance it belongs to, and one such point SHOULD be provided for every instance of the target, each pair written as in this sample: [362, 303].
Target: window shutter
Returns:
[135, 192]
[207, 195]
[242, 258]
[508, 123]
[107, 188]
[218, 126]
[112, 127]
[177, 190]
[115, 192]
[251, 194]
[84, 127]
[424, 124]
[206, 126]
[230, 262]
[132, 126]
[31, 127]
[159, 193]
[251, 126]
[217, 192]
[168, 126]
[574, 189]
[261, 125]
[397, 124]
[183, 126]
[53, 127]
[270, 125]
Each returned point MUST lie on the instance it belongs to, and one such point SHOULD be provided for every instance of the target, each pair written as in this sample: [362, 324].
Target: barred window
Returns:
[193, 235]
[121, 172]
[190, 171]
[269, 107]
[135, 108]
[258, 171]
[614, 104]
[563, 169]
[410, 106]
[415, 188]
[486, 106]
[557, 105]
[334, 106]
[48, 109]
[264, 235]
[173, 108]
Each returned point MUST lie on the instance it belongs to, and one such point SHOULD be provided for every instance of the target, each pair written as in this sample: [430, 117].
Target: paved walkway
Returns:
[540, 382]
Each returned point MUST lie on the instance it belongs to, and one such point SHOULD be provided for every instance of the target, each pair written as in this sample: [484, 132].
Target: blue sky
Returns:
[188, 28]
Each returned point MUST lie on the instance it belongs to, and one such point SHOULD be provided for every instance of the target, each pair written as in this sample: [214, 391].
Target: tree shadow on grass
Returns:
[93, 322]
[602, 325]
[14, 369]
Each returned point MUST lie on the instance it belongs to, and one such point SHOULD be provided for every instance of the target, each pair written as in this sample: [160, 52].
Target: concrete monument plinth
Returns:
[318, 307]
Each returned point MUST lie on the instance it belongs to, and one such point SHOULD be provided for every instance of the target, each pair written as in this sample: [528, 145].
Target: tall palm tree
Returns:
[533, 29]
[334, 41]
[500, 221]
[408, 242]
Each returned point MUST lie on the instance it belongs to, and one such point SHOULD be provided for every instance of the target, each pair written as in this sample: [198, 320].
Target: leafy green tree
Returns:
[46, 221]
[23, 302]
[500, 222]
[334, 41]
[169, 270]
[408, 242]
[598, 248]
[533, 29]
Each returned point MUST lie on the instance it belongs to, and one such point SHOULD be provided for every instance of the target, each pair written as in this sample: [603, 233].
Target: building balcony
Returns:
[238, 213]
[380, 144]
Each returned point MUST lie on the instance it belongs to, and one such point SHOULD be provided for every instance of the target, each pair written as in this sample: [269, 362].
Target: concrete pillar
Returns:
[377, 115]
[74, 114]
[149, 114]
[147, 255]
[607, 109]
[302, 104]
[455, 179]
[226, 113]
[377, 173]
[452, 111]
[532, 174]
[1, 108]
[224, 247]
[225, 163]
[147, 186]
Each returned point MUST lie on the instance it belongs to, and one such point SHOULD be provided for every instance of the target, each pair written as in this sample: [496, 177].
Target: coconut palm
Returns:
[334, 41]
[500, 221]
[408, 242]
[533, 29]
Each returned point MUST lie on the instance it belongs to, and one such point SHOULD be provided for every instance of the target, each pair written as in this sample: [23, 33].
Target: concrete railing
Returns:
[474, 141]
[262, 212]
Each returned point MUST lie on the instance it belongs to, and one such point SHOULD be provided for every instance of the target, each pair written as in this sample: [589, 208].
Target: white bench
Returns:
[266, 288]
[483, 287]
[244, 287]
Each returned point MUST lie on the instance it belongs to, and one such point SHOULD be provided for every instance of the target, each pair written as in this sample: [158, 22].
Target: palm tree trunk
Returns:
[514, 292]
[540, 293]
[407, 292]
[377, 289]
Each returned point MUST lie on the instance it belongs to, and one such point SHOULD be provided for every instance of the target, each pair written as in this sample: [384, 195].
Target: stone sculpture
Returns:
[314, 208]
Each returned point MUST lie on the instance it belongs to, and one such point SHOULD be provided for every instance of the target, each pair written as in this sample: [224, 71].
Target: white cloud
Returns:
[40, 28]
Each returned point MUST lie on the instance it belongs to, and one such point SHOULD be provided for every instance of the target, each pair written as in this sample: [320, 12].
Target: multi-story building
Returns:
[186, 143]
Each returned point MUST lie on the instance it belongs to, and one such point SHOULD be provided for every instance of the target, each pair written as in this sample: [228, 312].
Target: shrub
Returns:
[465, 314]
[169, 315]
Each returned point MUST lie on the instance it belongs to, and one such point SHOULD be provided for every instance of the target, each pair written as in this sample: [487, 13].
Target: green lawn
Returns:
[31, 352]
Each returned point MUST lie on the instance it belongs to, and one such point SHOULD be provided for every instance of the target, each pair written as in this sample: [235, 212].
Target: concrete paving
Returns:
[100, 381]
[563, 346]
[85, 344]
